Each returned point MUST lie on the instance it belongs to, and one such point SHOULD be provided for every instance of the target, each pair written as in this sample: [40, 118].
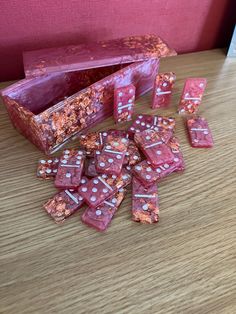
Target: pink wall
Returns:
[187, 25]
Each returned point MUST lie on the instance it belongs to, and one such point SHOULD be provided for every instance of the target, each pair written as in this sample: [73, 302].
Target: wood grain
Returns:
[185, 264]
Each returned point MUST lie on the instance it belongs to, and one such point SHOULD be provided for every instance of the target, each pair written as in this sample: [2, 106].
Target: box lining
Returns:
[39, 94]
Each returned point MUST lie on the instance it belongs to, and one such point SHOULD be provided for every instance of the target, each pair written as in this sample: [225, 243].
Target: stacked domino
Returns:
[96, 174]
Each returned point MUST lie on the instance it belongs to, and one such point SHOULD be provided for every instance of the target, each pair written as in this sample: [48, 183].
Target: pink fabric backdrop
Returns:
[187, 25]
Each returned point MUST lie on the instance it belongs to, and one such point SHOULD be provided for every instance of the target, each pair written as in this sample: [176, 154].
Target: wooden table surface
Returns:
[184, 264]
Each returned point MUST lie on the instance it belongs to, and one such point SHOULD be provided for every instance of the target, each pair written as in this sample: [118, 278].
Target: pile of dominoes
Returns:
[106, 162]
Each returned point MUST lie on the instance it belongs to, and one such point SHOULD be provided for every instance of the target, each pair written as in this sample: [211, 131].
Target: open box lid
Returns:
[95, 55]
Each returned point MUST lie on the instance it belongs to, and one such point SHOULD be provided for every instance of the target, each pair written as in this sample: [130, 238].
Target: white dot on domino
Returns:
[98, 212]
[93, 198]
[145, 207]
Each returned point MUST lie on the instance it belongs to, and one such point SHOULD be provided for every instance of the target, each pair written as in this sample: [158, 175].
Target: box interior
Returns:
[41, 93]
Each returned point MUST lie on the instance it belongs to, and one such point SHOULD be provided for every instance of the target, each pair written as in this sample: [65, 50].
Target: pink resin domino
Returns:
[111, 158]
[145, 203]
[199, 133]
[100, 188]
[132, 156]
[47, 168]
[162, 90]
[64, 204]
[99, 218]
[70, 169]
[192, 95]
[147, 174]
[124, 103]
[146, 122]
[153, 145]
